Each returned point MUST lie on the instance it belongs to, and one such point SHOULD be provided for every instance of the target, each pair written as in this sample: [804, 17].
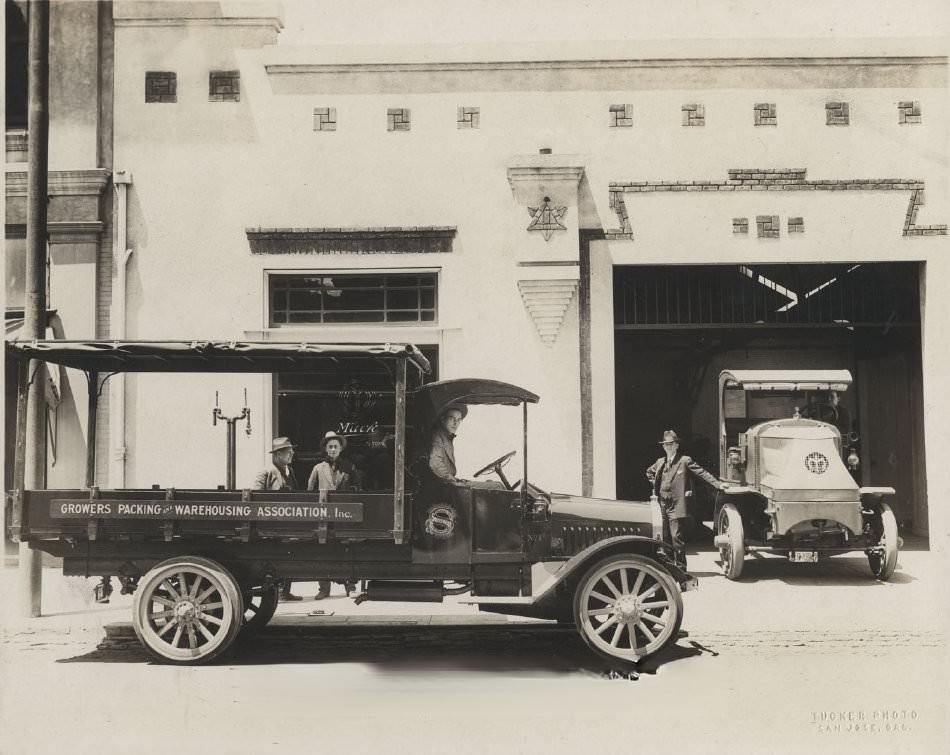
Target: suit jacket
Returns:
[442, 455]
[325, 478]
[273, 479]
[683, 467]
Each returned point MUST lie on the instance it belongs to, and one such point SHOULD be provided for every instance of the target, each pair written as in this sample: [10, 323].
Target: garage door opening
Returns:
[677, 327]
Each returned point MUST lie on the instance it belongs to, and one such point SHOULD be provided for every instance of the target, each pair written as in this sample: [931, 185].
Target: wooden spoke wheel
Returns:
[883, 560]
[627, 607]
[260, 604]
[187, 610]
[732, 552]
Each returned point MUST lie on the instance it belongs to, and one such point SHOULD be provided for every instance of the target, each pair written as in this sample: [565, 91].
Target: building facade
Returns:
[608, 227]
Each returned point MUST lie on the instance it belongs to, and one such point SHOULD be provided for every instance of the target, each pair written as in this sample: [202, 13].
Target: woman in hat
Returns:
[332, 474]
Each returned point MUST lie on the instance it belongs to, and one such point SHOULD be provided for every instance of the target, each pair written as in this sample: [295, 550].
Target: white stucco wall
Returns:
[203, 172]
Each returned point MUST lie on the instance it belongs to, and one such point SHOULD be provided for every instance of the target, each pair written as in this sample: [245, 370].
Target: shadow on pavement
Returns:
[838, 571]
[524, 650]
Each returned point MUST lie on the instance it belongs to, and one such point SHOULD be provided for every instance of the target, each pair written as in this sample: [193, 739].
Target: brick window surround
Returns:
[908, 112]
[621, 116]
[765, 114]
[694, 115]
[398, 119]
[224, 86]
[161, 86]
[469, 117]
[324, 119]
[837, 113]
[767, 226]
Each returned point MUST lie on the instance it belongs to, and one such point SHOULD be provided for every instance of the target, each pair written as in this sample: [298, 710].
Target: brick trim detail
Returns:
[224, 86]
[324, 119]
[398, 119]
[621, 116]
[758, 179]
[908, 112]
[468, 117]
[409, 240]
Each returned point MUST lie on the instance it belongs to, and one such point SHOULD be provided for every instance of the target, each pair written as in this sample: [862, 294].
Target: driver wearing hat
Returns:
[669, 476]
[442, 450]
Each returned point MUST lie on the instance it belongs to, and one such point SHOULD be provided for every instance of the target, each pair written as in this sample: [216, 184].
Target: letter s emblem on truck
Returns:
[440, 521]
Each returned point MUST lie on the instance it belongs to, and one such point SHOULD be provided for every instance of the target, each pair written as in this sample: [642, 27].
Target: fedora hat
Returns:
[458, 407]
[331, 435]
[669, 436]
[279, 444]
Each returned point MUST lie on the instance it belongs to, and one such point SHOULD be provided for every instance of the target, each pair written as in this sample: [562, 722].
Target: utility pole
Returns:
[34, 326]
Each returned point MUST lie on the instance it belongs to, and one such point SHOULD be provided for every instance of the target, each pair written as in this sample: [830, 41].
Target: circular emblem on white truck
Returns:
[816, 463]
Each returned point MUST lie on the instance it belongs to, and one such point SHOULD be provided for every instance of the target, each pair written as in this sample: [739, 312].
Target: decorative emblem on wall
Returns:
[440, 520]
[547, 218]
[816, 463]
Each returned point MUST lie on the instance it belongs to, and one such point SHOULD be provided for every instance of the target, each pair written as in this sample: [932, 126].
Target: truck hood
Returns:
[599, 509]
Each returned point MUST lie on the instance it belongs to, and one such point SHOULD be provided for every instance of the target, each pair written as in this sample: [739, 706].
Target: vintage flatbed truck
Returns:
[205, 565]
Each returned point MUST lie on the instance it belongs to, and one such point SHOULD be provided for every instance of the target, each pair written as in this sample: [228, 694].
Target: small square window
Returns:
[224, 86]
[767, 226]
[765, 114]
[908, 112]
[621, 116]
[468, 117]
[837, 113]
[324, 119]
[161, 86]
[694, 115]
[398, 119]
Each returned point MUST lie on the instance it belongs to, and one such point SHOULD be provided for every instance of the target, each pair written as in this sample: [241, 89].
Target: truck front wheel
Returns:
[883, 561]
[627, 607]
[730, 539]
[187, 610]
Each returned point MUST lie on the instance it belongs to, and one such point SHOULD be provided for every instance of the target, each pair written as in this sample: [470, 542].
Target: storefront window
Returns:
[325, 299]
[357, 400]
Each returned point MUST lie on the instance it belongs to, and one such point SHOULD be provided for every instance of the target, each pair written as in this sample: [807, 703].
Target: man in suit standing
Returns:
[280, 476]
[669, 477]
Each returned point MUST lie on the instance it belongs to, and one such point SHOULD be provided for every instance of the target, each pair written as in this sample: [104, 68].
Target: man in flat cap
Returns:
[669, 477]
[442, 450]
[280, 476]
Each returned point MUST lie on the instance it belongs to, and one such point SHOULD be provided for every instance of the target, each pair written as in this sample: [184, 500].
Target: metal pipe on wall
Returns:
[34, 326]
[121, 181]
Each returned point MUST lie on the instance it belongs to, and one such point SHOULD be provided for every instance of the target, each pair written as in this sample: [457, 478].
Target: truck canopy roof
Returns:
[206, 356]
[786, 380]
[432, 399]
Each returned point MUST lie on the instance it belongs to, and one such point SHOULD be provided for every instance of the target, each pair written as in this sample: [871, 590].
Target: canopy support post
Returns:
[524, 461]
[92, 385]
[399, 481]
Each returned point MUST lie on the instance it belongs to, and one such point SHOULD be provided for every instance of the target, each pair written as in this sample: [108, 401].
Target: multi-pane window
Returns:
[328, 298]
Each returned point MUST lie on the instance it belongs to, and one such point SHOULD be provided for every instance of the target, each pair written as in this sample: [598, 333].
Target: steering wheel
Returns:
[497, 465]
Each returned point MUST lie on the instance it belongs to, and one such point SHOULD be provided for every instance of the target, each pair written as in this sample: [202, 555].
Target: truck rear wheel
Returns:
[260, 604]
[187, 610]
[731, 541]
[627, 607]
[884, 563]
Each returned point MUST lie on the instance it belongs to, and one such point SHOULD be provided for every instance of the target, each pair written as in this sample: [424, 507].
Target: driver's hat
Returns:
[458, 407]
[669, 436]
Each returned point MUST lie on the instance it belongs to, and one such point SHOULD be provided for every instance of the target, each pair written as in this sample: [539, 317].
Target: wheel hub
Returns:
[186, 611]
[627, 609]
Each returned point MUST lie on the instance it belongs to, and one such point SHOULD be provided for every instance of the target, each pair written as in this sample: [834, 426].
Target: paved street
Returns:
[792, 657]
